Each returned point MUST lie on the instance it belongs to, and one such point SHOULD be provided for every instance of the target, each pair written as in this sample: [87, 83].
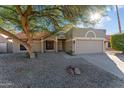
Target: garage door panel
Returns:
[88, 46]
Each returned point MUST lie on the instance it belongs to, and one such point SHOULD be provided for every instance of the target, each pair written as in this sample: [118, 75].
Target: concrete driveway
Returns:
[109, 61]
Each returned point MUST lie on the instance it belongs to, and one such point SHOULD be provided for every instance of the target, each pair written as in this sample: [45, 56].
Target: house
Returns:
[107, 42]
[74, 41]
[5, 44]
[85, 40]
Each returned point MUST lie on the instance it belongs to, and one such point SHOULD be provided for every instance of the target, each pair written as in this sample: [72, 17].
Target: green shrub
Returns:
[117, 42]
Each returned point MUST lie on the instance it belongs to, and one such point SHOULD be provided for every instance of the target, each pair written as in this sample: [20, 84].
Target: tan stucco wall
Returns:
[10, 47]
[81, 32]
[3, 47]
[51, 38]
[69, 34]
[42, 46]
[2, 39]
[3, 44]
[16, 47]
[36, 46]
[68, 46]
[68, 42]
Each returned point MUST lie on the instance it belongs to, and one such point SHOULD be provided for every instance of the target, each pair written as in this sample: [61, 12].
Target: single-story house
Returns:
[75, 41]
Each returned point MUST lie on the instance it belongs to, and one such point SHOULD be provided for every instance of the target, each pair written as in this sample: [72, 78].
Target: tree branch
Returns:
[29, 10]
[19, 9]
[5, 7]
[10, 19]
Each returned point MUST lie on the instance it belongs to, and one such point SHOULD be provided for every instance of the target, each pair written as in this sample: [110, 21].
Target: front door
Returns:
[61, 45]
[49, 45]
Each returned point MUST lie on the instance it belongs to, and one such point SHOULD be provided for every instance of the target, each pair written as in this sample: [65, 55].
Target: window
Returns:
[90, 34]
[22, 48]
[49, 45]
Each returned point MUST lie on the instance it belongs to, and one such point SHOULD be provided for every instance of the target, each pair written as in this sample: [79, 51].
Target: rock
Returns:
[70, 70]
[77, 71]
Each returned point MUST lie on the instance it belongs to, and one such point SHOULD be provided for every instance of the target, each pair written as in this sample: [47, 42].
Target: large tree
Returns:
[50, 18]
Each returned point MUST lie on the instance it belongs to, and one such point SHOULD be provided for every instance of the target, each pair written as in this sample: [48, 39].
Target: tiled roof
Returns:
[36, 35]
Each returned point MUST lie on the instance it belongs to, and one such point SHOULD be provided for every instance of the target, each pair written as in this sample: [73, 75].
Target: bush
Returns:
[117, 42]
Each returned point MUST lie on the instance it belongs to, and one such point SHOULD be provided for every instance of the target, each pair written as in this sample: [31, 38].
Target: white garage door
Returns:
[3, 47]
[88, 46]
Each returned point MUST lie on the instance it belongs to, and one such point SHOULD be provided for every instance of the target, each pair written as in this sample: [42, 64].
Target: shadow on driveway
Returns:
[109, 62]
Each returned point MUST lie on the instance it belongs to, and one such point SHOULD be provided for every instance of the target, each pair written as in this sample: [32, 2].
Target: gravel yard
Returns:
[49, 71]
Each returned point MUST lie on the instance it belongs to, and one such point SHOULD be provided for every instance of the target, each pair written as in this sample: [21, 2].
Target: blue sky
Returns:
[110, 22]
[111, 25]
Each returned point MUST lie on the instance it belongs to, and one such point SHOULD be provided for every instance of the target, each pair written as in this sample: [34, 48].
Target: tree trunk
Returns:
[30, 52]
[27, 45]
[25, 25]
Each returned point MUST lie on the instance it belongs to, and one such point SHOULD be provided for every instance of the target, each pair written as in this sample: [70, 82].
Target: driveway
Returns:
[49, 70]
[109, 61]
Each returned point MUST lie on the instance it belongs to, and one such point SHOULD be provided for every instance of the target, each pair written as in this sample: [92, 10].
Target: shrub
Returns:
[117, 42]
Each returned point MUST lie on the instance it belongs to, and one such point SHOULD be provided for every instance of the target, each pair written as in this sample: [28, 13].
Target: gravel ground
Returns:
[49, 71]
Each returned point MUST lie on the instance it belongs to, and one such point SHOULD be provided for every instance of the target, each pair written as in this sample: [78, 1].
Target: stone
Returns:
[77, 71]
[70, 70]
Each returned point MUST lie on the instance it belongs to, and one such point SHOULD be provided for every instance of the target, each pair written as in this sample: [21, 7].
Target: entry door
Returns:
[61, 45]
[49, 45]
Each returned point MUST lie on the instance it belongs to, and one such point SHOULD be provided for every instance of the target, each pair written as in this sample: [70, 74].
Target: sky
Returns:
[110, 22]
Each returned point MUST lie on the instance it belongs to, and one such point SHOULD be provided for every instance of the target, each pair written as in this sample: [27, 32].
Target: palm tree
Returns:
[118, 18]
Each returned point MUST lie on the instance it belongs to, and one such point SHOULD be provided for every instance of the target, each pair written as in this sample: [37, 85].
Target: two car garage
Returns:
[86, 40]
[89, 46]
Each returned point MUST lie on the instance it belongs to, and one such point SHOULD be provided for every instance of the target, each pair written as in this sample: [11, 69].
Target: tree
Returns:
[29, 19]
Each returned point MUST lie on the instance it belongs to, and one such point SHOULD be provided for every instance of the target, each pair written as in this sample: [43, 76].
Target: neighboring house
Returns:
[5, 44]
[75, 41]
[107, 42]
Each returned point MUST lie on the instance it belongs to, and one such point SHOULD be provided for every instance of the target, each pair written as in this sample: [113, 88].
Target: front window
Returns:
[22, 48]
[49, 45]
